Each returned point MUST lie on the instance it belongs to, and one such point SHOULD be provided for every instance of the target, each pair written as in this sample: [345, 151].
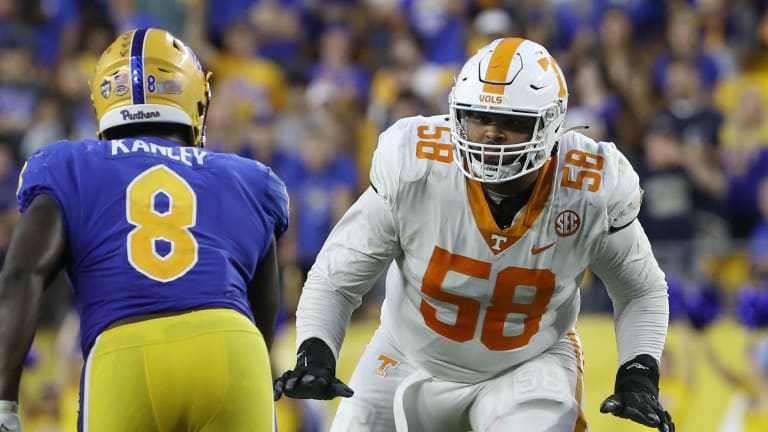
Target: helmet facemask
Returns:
[502, 162]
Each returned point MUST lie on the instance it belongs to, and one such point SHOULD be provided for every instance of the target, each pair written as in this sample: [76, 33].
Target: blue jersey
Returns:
[153, 226]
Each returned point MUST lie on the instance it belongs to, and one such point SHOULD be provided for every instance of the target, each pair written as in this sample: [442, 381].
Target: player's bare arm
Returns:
[35, 256]
[264, 294]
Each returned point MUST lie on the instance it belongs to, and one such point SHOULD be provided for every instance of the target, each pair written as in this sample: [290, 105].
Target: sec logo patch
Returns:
[567, 222]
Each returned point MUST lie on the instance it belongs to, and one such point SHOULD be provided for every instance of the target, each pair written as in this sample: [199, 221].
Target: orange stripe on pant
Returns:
[581, 421]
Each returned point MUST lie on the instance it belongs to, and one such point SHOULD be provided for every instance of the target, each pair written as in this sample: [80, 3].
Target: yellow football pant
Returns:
[203, 371]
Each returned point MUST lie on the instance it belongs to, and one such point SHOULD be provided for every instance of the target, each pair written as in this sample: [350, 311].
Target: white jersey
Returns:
[465, 299]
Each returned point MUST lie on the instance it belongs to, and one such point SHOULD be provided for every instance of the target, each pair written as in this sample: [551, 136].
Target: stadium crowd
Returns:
[305, 86]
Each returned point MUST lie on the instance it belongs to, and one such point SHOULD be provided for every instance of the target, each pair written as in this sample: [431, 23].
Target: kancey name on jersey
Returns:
[188, 155]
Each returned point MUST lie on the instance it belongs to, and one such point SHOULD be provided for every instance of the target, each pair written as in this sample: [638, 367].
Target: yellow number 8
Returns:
[171, 226]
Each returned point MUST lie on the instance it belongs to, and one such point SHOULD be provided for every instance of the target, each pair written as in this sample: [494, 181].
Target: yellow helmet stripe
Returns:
[498, 66]
[137, 66]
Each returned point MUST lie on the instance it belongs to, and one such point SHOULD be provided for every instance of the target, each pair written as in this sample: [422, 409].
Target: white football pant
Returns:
[542, 395]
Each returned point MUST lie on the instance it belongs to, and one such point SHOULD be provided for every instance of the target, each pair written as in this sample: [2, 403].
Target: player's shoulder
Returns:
[239, 165]
[255, 176]
[409, 149]
[580, 152]
[574, 142]
[63, 150]
[601, 172]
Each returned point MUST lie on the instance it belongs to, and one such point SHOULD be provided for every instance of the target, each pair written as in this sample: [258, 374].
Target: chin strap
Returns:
[493, 173]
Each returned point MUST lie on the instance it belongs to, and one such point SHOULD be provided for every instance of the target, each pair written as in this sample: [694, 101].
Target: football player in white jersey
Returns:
[487, 218]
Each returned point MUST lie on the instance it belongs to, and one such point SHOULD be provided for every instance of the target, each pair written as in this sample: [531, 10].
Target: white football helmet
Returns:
[516, 77]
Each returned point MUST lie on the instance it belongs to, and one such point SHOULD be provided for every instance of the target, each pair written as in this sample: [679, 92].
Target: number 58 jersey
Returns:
[466, 299]
[153, 226]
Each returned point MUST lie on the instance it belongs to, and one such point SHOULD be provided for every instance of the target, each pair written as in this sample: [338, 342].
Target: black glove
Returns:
[314, 376]
[636, 395]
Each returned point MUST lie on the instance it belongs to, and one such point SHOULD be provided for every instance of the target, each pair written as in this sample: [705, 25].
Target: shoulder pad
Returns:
[43, 171]
[404, 153]
[619, 185]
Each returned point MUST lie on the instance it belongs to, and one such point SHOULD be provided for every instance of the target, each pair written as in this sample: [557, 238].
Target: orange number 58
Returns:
[591, 164]
[501, 305]
[428, 146]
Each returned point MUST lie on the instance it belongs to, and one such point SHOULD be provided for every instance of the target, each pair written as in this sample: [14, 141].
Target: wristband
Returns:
[9, 407]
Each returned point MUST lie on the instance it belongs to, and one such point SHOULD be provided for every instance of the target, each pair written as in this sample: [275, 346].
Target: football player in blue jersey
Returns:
[170, 249]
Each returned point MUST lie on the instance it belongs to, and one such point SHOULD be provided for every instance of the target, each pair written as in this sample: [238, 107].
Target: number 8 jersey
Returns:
[466, 299]
[153, 226]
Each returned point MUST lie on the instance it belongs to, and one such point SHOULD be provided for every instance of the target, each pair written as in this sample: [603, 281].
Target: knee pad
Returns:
[545, 415]
[354, 415]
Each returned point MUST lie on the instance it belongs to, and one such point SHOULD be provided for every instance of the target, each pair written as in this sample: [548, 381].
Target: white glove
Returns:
[9, 417]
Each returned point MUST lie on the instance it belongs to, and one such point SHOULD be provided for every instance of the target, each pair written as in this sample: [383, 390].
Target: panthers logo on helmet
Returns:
[149, 71]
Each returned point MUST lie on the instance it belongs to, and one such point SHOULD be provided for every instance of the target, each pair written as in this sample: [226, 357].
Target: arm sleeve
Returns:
[625, 263]
[627, 196]
[358, 249]
[277, 203]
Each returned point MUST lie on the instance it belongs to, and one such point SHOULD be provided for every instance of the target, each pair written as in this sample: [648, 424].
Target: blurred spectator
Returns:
[671, 200]
[588, 91]
[293, 119]
[586, 121]
[321, 191]
[260, 143]
[64, 113]
[169, 15]
[745, 161]
[758, 247]
[488, 25]
[20, 89]
[281, 32]
[441, 26]
[622, 62]
[408, 71]
[406, 104]
[126, 15]
[696, 123]
[56, 22]
[336, 66]
[685, 43]
[222, 124]
[97, 32]
[257, 84]
[385, 19]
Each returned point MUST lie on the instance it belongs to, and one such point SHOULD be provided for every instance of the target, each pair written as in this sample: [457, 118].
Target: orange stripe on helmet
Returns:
[559, 76]
[498, 66]
[547, 62]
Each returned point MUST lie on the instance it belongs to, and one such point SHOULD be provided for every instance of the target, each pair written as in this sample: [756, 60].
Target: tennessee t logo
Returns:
[386, 362]
[537, 250]
[499, 241]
